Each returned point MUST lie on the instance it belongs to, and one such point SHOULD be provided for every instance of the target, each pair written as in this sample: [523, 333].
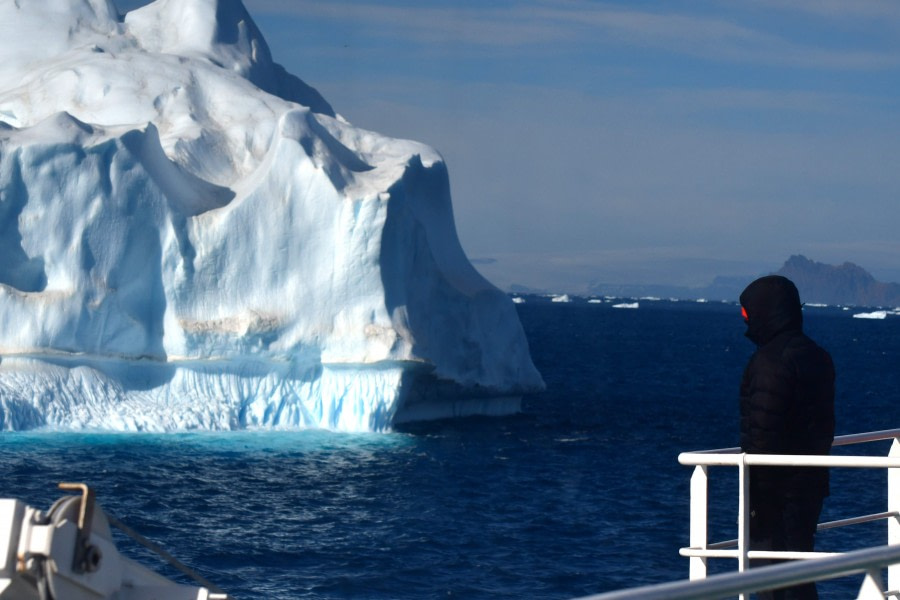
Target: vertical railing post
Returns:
[699, 519]
[743, 518]
[893, 505]
[871, 588]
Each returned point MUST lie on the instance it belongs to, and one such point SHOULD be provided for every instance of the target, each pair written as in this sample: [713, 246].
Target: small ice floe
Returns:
[595, 301]
[702, 300]
[627, 305]
[878, 314]
[562, 298]
[518, 300]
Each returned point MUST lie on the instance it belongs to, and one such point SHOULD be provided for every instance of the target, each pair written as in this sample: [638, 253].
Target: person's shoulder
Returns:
[785, 348]
[804, 343]
[803, 350]
[772, 357]
[798, 340]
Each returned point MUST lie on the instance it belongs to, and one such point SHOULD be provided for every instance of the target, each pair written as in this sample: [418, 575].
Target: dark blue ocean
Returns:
[582, 493]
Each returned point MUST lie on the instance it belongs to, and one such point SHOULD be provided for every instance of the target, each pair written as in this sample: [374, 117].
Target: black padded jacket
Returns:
[787, 390]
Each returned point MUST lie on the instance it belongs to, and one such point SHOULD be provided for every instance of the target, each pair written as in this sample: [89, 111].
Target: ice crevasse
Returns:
[192, 238]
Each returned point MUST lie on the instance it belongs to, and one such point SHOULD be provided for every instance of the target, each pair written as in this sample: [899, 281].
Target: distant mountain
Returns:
[722, 288]
[846, 284]
[843, 284]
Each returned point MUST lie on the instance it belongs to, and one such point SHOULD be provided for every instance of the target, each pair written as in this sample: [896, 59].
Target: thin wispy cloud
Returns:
[714, 39]
[482, 26]
[526, 25]
[837, 11]
[833, 104]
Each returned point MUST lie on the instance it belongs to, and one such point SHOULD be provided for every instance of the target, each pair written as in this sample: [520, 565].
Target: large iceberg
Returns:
[191, 237]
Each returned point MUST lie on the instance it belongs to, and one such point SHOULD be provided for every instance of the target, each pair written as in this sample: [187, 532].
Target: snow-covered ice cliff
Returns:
[191, 237]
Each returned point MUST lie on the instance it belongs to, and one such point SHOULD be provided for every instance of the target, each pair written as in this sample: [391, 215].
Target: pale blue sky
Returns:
[641, 141]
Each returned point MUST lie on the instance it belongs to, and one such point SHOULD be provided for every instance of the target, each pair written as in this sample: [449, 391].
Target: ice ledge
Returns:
[117, 395]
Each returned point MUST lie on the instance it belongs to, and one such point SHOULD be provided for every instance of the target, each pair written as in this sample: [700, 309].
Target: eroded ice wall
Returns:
[192, 238]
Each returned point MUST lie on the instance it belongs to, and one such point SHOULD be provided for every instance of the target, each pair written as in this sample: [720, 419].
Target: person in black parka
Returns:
[787, 407]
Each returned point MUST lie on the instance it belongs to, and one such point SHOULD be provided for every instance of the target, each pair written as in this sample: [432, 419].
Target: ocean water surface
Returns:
[582, 493]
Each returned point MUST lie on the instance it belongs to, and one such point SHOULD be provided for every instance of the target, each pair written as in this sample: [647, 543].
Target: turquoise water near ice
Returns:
[581, 493]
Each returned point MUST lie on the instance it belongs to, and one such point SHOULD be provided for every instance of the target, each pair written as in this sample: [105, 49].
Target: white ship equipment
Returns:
[804, 566]
[68, 553]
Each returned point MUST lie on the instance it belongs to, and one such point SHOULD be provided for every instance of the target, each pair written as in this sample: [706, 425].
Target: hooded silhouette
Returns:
[774, 304]
[787, 407]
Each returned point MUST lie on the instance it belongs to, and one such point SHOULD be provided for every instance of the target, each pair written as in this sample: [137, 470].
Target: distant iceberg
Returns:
[561, 298]
[878, 314]
[627, 305]
[192, 238]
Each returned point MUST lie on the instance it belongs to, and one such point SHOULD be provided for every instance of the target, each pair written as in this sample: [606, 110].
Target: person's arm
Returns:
[767, 389]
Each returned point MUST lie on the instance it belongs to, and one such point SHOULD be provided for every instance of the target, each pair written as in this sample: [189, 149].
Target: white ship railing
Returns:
[727, 585]
[827, 565]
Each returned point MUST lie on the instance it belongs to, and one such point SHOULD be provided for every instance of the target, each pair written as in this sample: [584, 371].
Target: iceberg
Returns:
[193, 238]
[878, 314]
[631, 305]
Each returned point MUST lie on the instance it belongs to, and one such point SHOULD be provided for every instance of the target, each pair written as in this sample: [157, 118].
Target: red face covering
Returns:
[744, 314]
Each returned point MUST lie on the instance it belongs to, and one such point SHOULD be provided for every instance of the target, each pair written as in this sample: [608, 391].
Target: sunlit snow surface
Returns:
[193, 238]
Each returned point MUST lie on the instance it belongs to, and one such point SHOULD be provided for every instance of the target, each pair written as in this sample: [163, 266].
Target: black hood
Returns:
[773, 306]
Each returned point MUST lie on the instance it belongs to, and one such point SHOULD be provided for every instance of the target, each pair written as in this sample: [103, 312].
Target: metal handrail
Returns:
[818, 566]
[701, 549]
[841, 440]
[788, 460]
[868, 560]
[821, 527]
[861, 438]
